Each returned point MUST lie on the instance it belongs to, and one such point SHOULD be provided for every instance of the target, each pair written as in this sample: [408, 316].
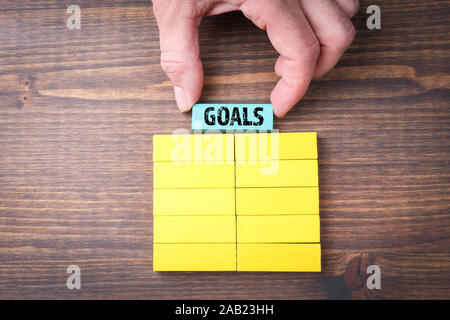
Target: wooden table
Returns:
[78, 109]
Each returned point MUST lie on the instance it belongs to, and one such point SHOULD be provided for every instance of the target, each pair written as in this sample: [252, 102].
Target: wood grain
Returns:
[78, 109]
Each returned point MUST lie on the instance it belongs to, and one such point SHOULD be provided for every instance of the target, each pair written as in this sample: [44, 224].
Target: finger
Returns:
[180, 54]
[350, 7]
[291, 35]
[333, 29]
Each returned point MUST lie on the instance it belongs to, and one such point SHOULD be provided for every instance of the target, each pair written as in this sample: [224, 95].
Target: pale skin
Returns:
[309, 35]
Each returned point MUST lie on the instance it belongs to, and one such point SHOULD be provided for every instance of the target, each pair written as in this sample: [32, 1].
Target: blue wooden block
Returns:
[236, 117]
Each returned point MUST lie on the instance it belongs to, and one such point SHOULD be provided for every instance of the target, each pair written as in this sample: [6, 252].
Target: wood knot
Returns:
[355, 275]
[25, 99]
[27, 83]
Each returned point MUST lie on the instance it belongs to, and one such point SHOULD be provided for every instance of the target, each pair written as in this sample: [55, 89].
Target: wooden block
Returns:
[193, 147]
[278, 229]
[175, 175]
[194, 257]
[272, 201]
[271, 146]
[179, 202]
[232, 117]
[194, 229]
[286, 257]
[277, 173]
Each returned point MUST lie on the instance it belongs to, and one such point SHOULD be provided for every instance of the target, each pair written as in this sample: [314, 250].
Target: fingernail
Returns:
[182, 101]
[279, 114]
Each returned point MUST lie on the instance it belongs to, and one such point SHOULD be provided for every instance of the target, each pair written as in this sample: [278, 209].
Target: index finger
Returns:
[291, 35]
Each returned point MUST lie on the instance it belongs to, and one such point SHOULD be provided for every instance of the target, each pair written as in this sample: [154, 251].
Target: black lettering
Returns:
[245, 117]
[259, 116]
[210, 120]
[220, 119]
[235, 116]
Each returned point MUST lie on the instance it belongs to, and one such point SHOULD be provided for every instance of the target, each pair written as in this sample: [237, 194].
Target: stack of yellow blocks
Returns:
[243, 202]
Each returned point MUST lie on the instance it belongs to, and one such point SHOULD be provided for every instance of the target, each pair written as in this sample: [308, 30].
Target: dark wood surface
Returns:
[78, 109]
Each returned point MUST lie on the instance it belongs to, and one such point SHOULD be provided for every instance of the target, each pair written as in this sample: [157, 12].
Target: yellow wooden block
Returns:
[193, 147]
[174, 175]
[282, 146]
[271, 201]
[278, 229]
[180, 202]
[277, 173]
[194, 257]
[286, 257]
[194, 229]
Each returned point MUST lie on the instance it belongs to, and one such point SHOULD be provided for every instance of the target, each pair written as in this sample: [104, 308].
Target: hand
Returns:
[310, 36]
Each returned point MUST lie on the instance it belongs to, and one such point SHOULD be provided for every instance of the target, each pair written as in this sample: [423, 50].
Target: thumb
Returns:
[180, 56]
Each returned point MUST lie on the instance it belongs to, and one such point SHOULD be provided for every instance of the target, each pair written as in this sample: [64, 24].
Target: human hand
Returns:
[310, 36]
